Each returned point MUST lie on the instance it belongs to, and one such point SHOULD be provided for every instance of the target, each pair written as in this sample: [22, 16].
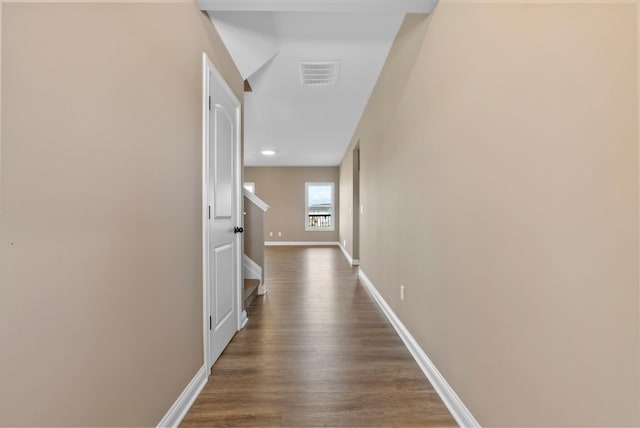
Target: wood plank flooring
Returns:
[317, 351]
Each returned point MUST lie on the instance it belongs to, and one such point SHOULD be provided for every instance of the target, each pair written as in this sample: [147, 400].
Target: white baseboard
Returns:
[298, 243]
[243, 319]
[179, 409]
[262, 289]
[346, 254]
[458, 410]
[352, 261]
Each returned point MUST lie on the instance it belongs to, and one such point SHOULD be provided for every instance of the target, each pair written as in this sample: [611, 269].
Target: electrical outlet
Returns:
[361, 209]
[279, 233]
[402, 293]
[344, 242]
[270, 233]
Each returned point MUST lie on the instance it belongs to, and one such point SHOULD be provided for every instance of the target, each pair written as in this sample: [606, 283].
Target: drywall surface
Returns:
[502, 192]
[283, 188]
[101, 240]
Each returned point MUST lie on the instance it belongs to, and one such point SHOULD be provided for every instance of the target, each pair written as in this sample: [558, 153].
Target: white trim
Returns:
[346, 253]
[256, 200]
[205, 209]
[458, 410]
[181, 406]
[253, 270]
[244, 319]
[351, 260]
[298, 243]
[239, 202]
[381, 6]
[251, 184]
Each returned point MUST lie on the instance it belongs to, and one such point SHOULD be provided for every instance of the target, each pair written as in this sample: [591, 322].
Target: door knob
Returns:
[238, 229]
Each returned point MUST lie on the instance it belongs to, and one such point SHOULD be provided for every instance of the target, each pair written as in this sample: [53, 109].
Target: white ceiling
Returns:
[306, 125]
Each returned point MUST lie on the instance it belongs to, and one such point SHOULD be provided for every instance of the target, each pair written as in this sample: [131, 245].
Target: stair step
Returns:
[250, 291]
[249, 286]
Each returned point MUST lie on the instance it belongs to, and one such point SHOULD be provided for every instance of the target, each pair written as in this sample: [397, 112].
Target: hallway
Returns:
[317, 351]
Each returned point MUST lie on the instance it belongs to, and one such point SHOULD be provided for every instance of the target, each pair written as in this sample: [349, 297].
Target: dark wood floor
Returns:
[317, 351]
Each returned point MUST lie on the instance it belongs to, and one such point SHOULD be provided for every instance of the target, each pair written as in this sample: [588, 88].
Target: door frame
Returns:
[355, 225]
[207, 69]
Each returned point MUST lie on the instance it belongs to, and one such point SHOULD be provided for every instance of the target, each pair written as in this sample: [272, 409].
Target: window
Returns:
[250, 186]
[319, 212]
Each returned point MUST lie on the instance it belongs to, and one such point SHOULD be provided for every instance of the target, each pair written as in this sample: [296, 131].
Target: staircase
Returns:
[250, 291]
[253, 259]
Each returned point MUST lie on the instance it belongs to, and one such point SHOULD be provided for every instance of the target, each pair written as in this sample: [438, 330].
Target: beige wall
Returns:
[504, 196]
[283, 188]
[101, 296]
[381, 106]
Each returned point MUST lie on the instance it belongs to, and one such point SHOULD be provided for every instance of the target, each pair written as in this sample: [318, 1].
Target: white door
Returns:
[222, 214]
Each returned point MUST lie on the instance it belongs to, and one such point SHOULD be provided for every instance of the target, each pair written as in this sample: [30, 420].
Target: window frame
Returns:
[309, 228]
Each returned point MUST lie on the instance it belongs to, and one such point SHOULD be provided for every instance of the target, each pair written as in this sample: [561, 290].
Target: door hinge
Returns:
[209, 212]
[209, 323]
[209, 102]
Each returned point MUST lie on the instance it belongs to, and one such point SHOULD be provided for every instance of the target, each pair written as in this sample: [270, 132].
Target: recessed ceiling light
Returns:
[268, 152]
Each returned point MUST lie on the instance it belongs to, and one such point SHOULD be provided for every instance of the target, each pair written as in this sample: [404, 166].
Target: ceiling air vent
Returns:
[319, 73]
